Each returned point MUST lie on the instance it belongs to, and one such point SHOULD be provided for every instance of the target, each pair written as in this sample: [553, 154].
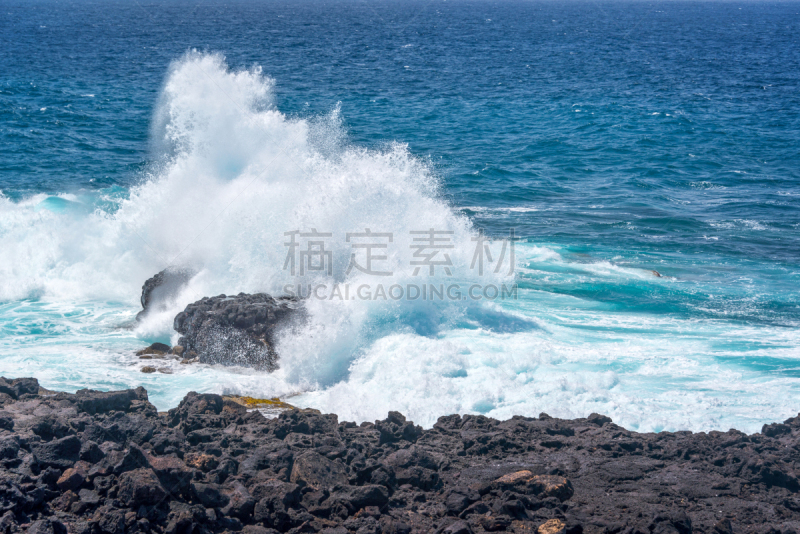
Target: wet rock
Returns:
[161, 289]
[156, 349]
[236, 330]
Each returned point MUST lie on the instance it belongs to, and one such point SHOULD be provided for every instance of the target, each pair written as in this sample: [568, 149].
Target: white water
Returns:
[232, 174]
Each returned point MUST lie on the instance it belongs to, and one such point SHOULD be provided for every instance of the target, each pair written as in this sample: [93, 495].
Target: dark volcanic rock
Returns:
[236, 330]
[107, 462]
[163, 287]
[93, 402]
[313, 470]
[19, 386]
[140, 487]
[61, 453]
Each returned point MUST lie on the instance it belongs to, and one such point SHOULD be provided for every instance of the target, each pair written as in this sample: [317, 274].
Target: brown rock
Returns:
[540, 485]
[552, 526]
[204, 462]
[552, 486]
[513, 478]
[71, 479]
[148, 369]
[156, 349]
[63, 503]
[173, 473]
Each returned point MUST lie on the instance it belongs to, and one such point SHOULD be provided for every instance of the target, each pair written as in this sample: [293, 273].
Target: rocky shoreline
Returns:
[108, 462]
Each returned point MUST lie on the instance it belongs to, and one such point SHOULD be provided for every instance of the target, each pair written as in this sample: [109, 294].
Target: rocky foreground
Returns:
[95, 462]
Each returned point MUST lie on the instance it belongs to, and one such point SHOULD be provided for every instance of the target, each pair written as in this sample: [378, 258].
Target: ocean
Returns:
[644, 155]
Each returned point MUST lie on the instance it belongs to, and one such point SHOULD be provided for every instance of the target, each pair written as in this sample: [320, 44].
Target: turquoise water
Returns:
[616, 139]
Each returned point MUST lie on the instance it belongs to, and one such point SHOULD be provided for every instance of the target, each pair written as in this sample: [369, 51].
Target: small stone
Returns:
[209, 495]
[64, 501]
[552, 486]
[140, 487]
[71, 479]
[8, 523]
[165, 370]
[148, 369]
[723, 526]
[42, 526]
[157, 349]
[177, 350]
[552, 526]
[459, 527]
[541, 485]
[89, 496]
[513, 478]
[204, 462]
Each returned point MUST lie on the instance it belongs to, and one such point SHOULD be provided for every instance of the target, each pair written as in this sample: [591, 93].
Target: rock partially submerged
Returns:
[161, 288]
[235, 330]
[107, 462]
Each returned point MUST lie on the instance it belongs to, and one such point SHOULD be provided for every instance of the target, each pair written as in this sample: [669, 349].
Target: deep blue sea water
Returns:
[616, 138]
